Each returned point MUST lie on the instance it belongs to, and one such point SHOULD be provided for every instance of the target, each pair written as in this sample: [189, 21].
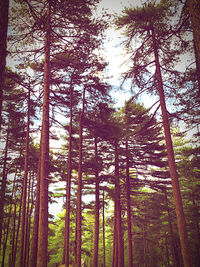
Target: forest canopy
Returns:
[99, 152]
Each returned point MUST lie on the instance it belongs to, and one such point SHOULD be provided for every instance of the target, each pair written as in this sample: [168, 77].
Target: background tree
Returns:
[151, 23]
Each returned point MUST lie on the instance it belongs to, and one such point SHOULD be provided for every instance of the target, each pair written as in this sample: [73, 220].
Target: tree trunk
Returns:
[104, 247]
[4, 6]
[97, 206]
[26, 243]
[167, 250]
[79, 189]
[29, 221]
[75, 242]
[17, 233]
[34, 241]
[3, 186]
[13, 236]
[128, 199]
[42, 257]
[115, 241]
[173, 247]
[68, 186]
[172, 165]
[24, 189]
[120, 251]
[145, 242]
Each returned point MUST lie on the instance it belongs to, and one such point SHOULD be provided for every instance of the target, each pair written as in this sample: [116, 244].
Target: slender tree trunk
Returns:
[29, 221]
[128, 199]
[120, 251]
[172, 165]
[26, 243]
[24, 189]
[17, 233]
[145, 242]
[115, 241]
[3, 186]
[13, 235]
[79, 189]
[68, 185]
[167, 250]
[34, 241]
[4, 6]
[75, 242]
[97, 206]
[104, 245]
[173, 247]
[42, 257]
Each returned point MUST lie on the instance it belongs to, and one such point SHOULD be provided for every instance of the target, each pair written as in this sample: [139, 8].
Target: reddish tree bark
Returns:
[171, 161]
[42, 257]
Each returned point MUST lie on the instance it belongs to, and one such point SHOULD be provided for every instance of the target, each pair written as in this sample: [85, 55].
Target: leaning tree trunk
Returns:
[68, 186]
[97, 206]
[171, 161]
[128, 201]
[79, 189]
[22, 255]
[4, 6]
[42, 257]
[172, 241]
